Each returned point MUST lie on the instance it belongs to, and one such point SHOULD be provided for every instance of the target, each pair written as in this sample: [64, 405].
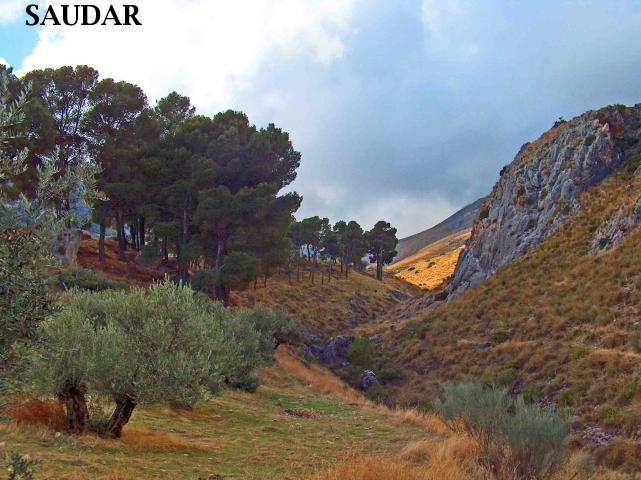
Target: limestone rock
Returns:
[541, 188]
[335, 352]
[367, 379]
[64, 247]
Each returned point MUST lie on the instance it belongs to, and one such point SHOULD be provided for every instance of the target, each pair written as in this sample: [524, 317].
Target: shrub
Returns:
[425, 406]
[609, 414]
[506, 376]
[87, 279]
[21, 467]
[577, 352]
[391, 375]
[362, 353]
[534, 435]
[377, 393]
[499, 336]
[33, 411]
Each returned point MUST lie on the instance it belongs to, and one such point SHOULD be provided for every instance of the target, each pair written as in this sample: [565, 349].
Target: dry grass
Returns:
[433, 264]
[321, 378]
[114, 266]
[376, 468]
[30, 411]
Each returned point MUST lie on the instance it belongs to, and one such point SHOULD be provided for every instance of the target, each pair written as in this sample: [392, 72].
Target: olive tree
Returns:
[164, 344]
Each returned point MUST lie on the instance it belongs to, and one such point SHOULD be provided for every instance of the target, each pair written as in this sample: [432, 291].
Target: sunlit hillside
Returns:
[433, 264]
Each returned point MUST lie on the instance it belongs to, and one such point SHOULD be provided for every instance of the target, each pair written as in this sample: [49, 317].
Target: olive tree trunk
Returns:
[122, 414]
[76, 411]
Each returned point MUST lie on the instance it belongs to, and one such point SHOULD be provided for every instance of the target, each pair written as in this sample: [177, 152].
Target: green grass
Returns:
[236, 435]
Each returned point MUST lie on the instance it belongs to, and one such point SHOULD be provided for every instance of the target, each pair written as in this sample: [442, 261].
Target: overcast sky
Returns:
[402, 109]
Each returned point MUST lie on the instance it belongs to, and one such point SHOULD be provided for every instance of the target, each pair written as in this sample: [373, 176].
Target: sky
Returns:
[403, 110]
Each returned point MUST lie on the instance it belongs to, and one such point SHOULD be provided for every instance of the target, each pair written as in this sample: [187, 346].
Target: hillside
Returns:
[560, 324]
[328, 309]
[459, 221]
[433, 264]
[299, 421]
[541, 187]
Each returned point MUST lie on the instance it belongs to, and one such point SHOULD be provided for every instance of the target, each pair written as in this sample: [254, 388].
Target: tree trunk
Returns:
[265, 281]
[165, 250]
[133, 228]
[77, 414]
[141, 242]
[101, 242]
[122, 414]
[222, 294]
[122, 240]
[256, 282]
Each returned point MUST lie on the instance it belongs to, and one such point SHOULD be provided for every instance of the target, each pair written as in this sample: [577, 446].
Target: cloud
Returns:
[10, 10]
[448, 26]
[402, 110]
[3, 61]
[207, 50]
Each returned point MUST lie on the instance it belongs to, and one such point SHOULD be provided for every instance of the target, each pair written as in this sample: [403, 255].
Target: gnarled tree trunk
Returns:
[77, 413]
[122, 414]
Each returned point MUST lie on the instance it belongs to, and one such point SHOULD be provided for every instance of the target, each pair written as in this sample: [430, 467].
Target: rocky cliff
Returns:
[541, 188]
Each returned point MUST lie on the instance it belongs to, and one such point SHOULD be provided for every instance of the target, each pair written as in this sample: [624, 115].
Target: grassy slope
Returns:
[237, 435]
[433, 264]
[568, 316]
[330, 308]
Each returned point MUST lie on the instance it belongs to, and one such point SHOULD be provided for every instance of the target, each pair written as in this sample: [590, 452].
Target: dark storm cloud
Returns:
[432, 98]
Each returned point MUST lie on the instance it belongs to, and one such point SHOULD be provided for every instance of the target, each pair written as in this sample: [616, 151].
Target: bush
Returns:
[362, 353]
[376, 393]
[425, 406]
[535, 436]
[33, 411]
[21, 467]
[87, 279]
[589, 140]
[499, 336]
[609, 415]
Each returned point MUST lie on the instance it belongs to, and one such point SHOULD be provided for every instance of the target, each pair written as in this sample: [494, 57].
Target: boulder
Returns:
[367, 379]
[335, 351]
[64, 247]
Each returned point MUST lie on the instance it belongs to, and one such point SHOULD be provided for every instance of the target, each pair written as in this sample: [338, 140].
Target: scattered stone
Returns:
[532, 368]
[484, 345]
[596, 436]
[301, 413]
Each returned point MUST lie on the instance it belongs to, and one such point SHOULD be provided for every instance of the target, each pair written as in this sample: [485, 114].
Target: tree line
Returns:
[203, 192]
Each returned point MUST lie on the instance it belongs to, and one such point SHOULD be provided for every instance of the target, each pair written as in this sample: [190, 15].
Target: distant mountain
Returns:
[461, 220]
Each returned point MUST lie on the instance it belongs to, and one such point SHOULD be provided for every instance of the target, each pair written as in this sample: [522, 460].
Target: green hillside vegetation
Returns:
[287, 428]
[559, 324]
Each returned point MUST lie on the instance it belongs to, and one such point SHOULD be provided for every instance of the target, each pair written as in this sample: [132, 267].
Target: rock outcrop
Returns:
[541, 188]
[64, 247]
